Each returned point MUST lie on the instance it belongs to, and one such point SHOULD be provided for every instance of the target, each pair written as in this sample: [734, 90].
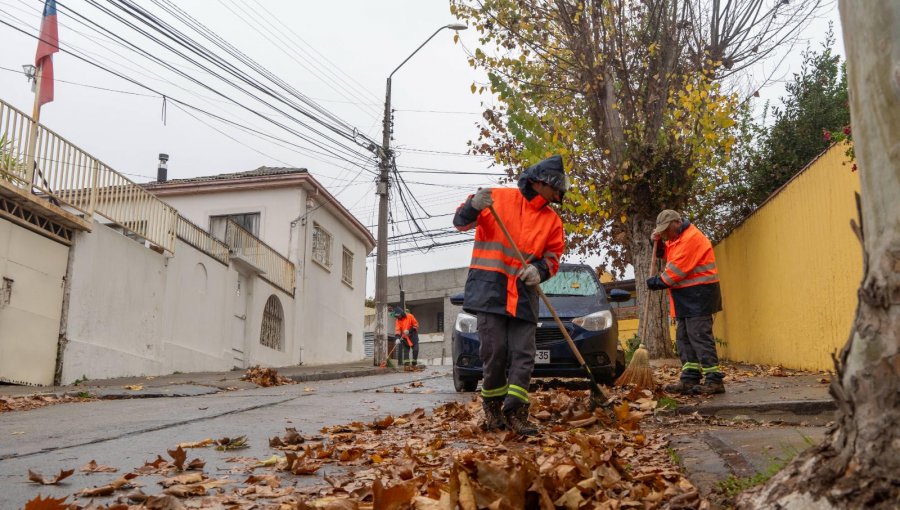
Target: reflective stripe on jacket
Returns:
[492, 285]
[691, 274]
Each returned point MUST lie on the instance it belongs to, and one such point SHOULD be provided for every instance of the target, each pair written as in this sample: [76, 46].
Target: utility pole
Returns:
[383, 188]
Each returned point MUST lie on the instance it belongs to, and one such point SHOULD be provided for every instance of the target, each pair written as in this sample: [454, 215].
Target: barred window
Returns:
[321, 246]
[347, 267]
[271, 334]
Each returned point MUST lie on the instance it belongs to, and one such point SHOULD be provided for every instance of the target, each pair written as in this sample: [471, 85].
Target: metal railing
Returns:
[201, 239]
[277, 270]
[68, 176]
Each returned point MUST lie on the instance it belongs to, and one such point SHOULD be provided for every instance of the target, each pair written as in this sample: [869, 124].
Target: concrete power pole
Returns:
[383, 188]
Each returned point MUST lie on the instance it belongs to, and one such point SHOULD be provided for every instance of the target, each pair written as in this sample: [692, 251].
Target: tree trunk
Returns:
[653, 306]
[858, 465]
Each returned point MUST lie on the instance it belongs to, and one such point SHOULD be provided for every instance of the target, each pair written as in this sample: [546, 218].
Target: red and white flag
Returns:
[48, 44]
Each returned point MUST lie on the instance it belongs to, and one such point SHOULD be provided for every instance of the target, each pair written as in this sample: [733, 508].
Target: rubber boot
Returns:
[493, 417]
[517, 421]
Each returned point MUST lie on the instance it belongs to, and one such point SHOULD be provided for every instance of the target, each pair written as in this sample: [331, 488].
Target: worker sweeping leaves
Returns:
[498, 286]
[406, 329]
[693, 282]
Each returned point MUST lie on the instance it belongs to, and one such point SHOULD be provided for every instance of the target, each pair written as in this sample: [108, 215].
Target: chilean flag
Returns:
[47, 46]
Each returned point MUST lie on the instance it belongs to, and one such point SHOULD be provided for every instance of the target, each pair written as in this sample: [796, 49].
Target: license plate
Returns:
[542, 356]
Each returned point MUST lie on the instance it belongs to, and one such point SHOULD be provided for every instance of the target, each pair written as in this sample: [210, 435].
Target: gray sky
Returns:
[338, 53]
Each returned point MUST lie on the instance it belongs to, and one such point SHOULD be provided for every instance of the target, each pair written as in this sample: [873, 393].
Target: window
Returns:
[250, 222]
[440, 322]
[347, 267]
[349, 342]
[271, 333]
[321, 246]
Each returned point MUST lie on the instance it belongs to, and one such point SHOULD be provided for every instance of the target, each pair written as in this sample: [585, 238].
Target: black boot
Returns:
[493, 417]
[682, 388]
[710, 387]
[517, 421]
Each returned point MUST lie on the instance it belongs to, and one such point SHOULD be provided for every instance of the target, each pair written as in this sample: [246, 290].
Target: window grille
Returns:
[271, 334]
[440, 322]
[249, 221]
[321, 246]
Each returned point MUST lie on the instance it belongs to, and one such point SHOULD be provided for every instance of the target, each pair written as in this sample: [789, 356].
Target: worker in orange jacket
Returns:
[406, 328]
[692, 279]
[499, 289]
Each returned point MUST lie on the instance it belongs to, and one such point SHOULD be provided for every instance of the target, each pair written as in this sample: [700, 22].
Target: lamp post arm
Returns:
[417, 50]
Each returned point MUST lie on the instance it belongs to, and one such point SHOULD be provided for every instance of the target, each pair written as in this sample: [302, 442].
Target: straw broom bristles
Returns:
[639, 372]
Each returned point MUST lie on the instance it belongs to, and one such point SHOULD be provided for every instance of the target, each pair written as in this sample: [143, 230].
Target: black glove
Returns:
[656, 283]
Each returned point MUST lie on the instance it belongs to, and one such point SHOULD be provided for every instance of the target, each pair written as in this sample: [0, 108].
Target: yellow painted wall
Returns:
[629, 327]
[790, 272]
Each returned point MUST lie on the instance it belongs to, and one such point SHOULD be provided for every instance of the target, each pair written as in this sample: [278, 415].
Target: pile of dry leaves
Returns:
[265, 377]
[583, 459]
[34, 401]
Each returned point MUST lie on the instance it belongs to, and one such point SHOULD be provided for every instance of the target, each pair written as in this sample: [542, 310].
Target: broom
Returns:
[639, 371]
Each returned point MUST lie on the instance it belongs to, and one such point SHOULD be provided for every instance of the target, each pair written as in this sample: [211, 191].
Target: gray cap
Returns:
[664, 218]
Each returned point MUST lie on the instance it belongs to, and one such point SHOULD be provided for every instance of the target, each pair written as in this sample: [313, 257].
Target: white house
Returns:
[289, 210]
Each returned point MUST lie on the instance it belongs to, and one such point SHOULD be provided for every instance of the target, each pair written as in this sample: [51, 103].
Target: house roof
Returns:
[263, 177]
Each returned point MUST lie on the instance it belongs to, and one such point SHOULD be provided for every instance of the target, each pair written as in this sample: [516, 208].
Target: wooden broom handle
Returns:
[653, 258]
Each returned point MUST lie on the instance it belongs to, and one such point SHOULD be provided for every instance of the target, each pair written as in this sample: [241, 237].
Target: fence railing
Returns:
[68, 176]
[201, 239]
[278, 270]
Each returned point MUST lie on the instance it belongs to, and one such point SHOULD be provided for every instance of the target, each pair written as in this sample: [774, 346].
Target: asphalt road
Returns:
[127, 433]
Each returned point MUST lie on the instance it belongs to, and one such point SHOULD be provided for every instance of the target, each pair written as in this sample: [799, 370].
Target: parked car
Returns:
[581, 302]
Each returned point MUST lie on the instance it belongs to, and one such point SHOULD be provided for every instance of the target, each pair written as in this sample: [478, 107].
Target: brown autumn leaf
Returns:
[106, 490]
[196, 464]
[164, 502]
[383, 423]
[398, 496]
[196, 444]
[182, 479]
[179, 456]
[184, 491]
[305, 466]
[39, 503]
[271, 480]
[38, 478]
[93, 467]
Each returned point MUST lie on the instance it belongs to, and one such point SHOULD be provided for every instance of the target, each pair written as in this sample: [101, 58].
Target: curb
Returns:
[799, 407]
[327, 376]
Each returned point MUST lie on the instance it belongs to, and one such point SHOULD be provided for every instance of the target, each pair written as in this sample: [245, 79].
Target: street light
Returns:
[380, 342]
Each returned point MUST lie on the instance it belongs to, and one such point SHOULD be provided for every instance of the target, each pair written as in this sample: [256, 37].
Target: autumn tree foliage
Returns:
[631, 93]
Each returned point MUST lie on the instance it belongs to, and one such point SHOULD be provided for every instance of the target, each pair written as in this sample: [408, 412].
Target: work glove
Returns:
[397, 342]
[482, 199]
[656, 283]
[405, 332]
[529, 275]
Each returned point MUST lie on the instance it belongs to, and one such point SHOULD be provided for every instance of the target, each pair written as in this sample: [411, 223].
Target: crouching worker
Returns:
[499, 288]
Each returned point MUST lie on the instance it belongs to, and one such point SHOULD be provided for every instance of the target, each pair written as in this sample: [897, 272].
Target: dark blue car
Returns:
[581, 302]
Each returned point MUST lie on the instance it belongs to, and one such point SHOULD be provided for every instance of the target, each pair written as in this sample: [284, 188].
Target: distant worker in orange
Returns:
[407, 331]
[693, 282]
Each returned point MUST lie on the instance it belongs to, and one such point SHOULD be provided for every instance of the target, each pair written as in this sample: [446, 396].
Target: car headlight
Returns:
[465, 323]
[595, 321]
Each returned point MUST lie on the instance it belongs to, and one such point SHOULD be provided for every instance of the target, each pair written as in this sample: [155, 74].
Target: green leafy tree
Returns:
[630, 93]
[816, 105]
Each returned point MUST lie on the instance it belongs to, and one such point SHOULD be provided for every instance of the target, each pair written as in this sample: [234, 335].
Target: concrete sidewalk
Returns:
[192, 384]
[760, 424]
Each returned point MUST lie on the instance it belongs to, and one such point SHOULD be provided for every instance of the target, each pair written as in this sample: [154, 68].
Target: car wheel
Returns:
[463, 384]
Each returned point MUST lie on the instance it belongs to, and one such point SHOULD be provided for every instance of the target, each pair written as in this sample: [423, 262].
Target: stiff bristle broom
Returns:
[639, 372]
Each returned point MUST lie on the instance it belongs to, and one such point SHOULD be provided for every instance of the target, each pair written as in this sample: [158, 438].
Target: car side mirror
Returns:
[619, 295]
[456, 299]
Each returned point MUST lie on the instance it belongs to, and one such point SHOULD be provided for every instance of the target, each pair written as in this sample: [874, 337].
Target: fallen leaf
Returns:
[38, 478]
[196, 444]
[179, 456]
[134, 387]
[93, 467]
[49, 503]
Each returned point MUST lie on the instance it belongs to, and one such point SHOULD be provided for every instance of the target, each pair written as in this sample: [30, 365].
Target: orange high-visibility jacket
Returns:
[492, 285]
[691, 274]
[407, 323]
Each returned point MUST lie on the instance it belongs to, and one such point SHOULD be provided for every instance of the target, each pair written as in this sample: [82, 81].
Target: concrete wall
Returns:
[32, 274]
[330, 309]
[425, 294]
[277, 208]
[133, 311]
[790, 272]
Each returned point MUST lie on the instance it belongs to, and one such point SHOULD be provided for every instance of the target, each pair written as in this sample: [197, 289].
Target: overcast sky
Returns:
[337, 53]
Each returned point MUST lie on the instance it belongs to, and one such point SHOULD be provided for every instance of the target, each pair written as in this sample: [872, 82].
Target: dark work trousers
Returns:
[506, 343]
[406, 354]
[697, 349]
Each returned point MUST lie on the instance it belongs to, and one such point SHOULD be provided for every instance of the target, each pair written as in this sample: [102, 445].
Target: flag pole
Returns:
[30, 154]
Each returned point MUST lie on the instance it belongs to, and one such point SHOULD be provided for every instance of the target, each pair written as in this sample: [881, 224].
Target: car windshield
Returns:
[576, 281]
